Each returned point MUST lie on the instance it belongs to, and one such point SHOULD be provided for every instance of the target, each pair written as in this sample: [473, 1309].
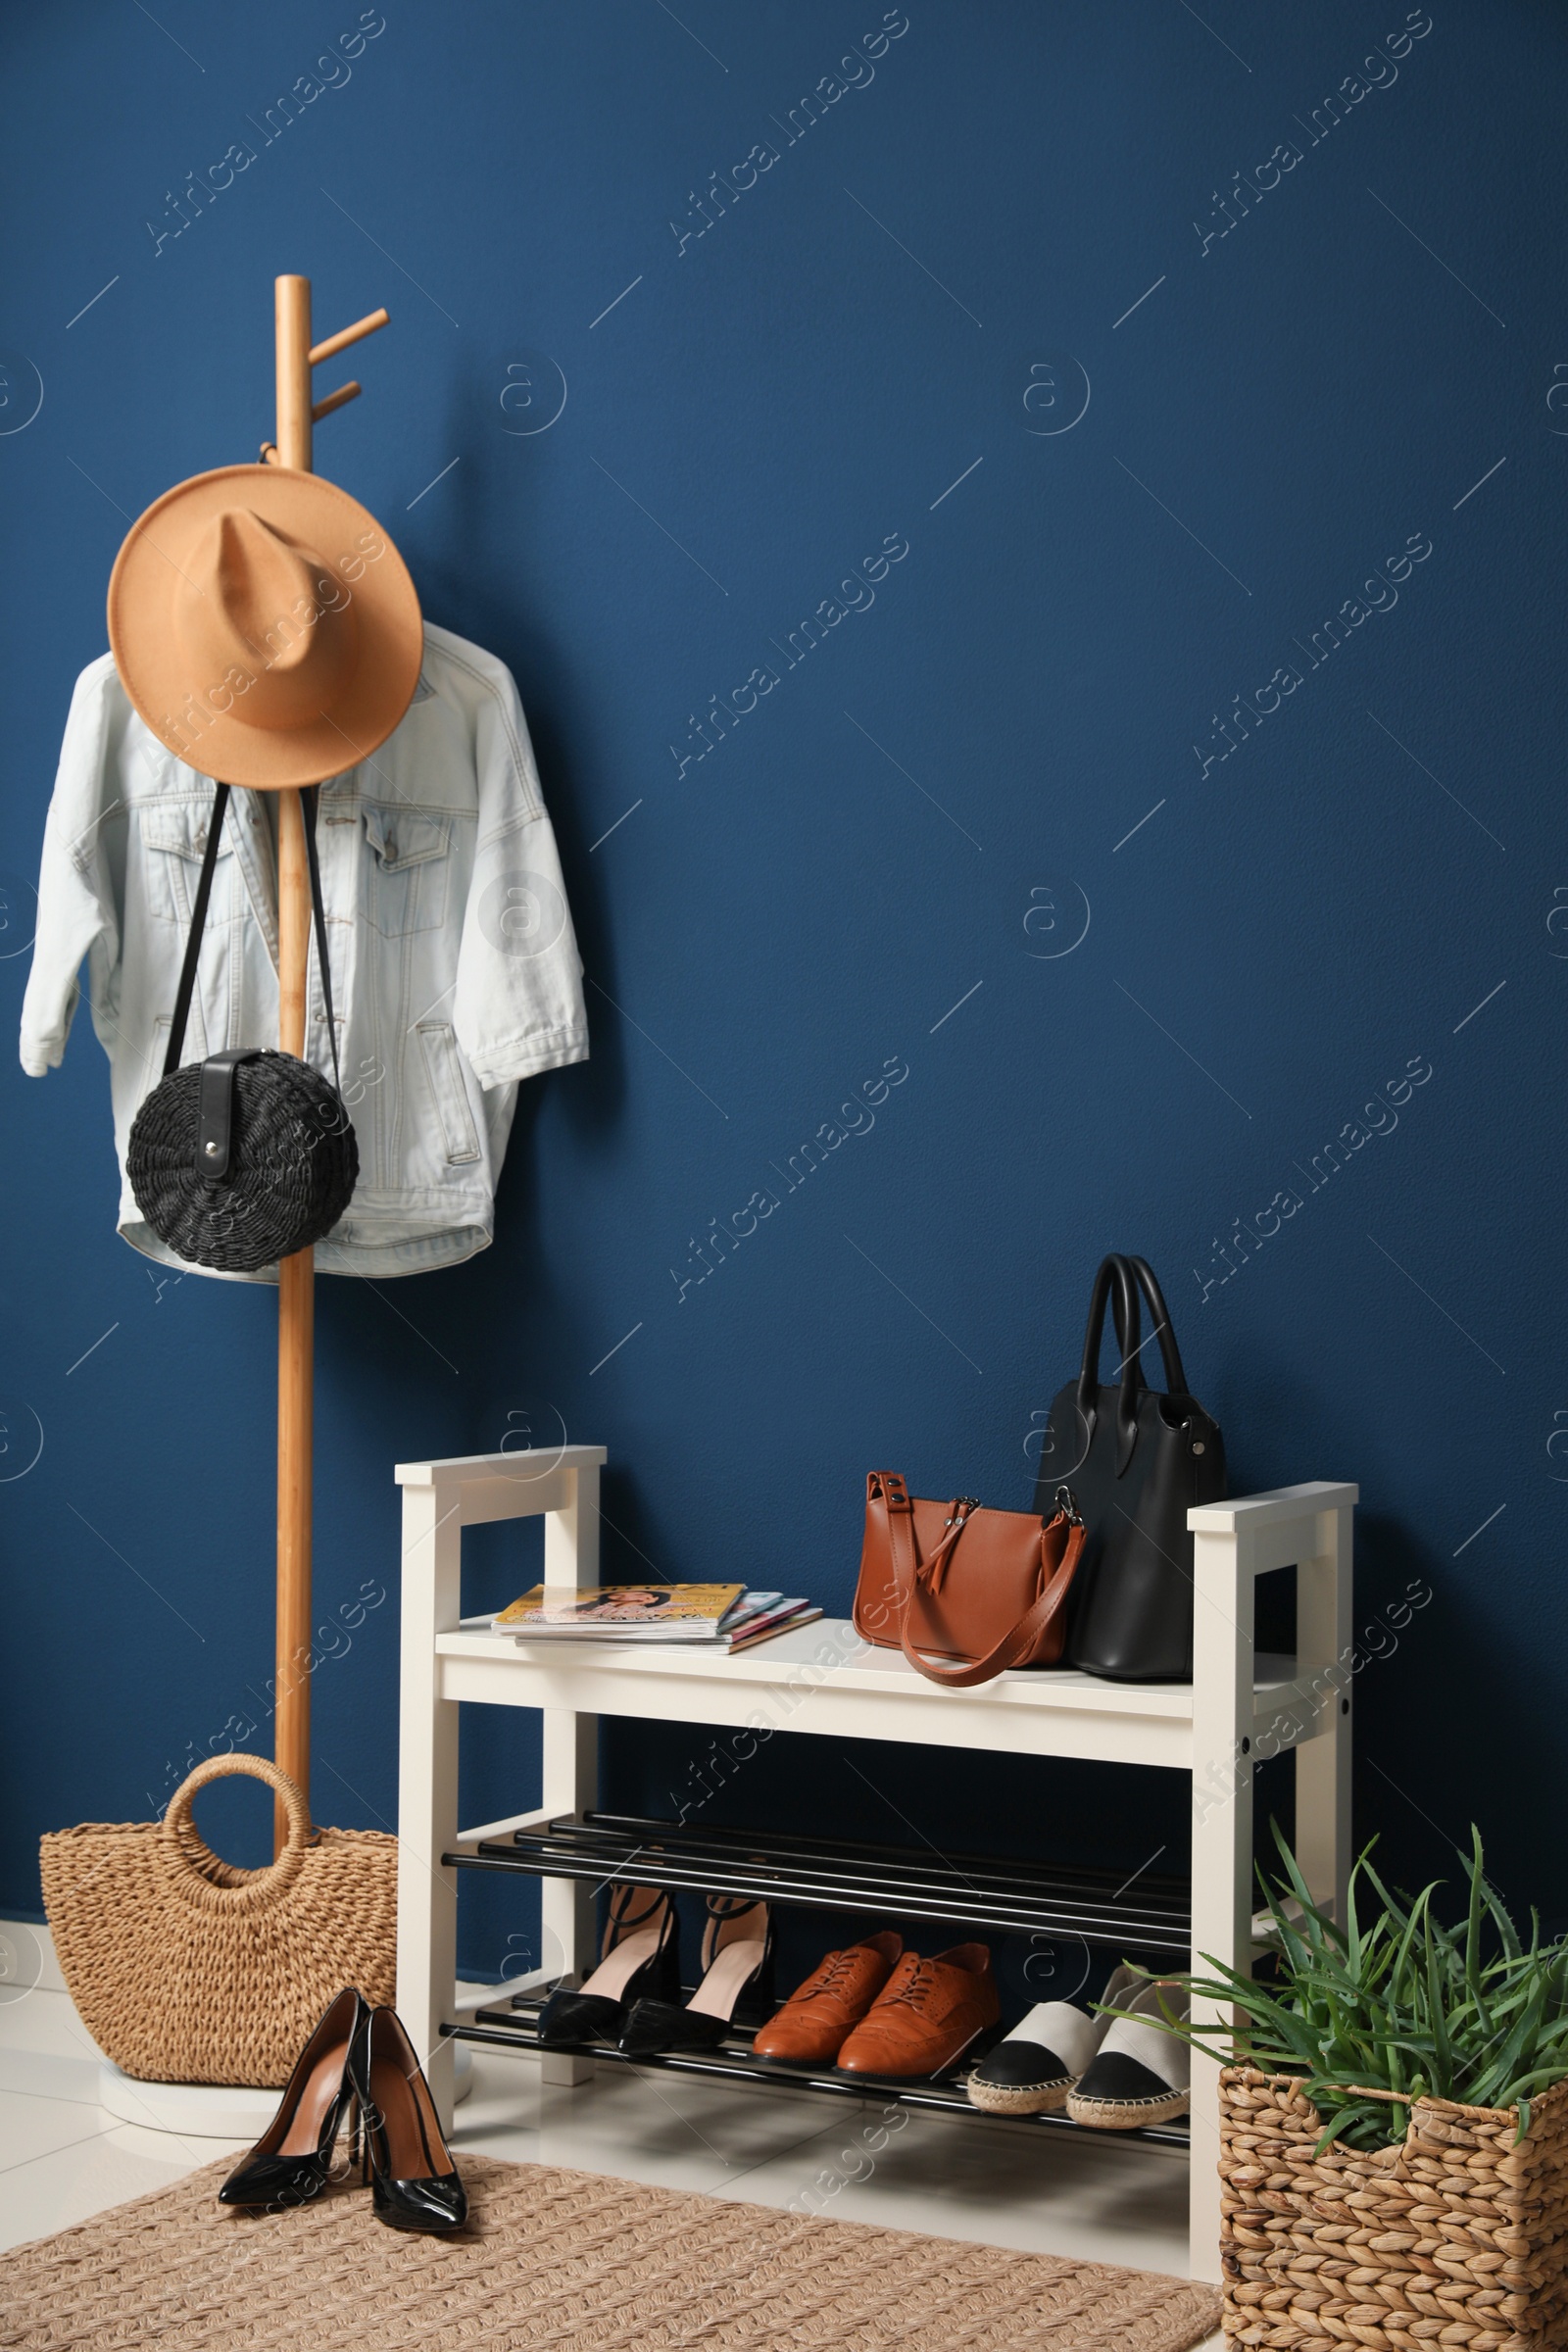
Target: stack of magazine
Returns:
[726, 1617]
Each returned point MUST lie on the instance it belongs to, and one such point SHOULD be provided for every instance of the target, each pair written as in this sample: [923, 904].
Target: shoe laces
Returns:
[921, 1981]
[830, 1976]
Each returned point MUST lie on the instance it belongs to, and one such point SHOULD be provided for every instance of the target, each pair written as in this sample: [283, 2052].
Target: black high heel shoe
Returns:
[292, 2160]
[735, 1993]
[413, 2181]
[641, 1958]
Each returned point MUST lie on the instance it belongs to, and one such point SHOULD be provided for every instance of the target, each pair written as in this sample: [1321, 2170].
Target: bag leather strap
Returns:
[216, 1114]
[1164, 1331]
[1113, 1277]
[1014, 1646]
[215, 1109]
[193, 945]
[310, 803]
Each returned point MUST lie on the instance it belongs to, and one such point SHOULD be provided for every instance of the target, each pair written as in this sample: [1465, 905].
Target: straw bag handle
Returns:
[183, 1850]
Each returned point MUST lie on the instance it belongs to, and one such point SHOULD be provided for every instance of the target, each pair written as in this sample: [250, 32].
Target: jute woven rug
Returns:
[561, 2259]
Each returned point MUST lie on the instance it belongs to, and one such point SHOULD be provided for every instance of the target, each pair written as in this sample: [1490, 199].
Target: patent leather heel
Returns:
[292, 2161]
[414, 2183]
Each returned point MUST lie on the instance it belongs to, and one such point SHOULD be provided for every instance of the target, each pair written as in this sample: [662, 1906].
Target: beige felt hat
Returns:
[265, 626]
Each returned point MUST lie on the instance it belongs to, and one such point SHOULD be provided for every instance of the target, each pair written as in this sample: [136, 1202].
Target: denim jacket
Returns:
[455, 970]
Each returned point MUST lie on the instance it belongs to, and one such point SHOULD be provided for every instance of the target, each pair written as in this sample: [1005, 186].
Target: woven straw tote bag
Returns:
[187, 1969]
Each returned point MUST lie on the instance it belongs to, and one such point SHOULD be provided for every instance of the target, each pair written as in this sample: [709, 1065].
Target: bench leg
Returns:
[566, 1905]
[427, 1793]
[1222, 1842]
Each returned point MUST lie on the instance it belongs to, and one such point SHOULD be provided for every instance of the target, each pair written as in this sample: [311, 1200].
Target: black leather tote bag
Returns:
[1137, 1459]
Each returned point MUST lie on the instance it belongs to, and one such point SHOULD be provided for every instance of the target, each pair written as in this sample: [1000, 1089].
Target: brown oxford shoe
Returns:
[926, 2015]
[812, 2025]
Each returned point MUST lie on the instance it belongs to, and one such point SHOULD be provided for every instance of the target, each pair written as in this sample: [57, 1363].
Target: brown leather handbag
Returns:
[985, 1588]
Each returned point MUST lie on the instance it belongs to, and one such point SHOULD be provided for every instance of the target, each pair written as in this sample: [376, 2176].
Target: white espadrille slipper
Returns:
[1140, 2074]
[1032, 2071]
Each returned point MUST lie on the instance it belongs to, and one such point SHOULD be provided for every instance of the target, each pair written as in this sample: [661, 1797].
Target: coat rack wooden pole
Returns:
[296, 1295]
[296, 1298]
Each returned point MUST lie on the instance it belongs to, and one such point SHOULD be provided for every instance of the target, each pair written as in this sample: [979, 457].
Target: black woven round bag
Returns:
[248, 1157]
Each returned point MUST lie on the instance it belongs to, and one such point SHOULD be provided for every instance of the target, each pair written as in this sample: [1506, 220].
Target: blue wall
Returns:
[1330, 398]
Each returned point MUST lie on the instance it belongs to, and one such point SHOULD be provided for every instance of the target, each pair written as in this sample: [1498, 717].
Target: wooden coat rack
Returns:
[297, 415]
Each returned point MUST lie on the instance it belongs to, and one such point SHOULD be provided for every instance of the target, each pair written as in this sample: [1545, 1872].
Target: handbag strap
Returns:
[1142, 1273]
[1114, 1276]
[193, 945]
[310, 797]
[309, 802]
[1014, 1646]
[185, 1861]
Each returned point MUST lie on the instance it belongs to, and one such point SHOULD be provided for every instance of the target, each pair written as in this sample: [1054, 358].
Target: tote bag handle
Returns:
[189, 1859]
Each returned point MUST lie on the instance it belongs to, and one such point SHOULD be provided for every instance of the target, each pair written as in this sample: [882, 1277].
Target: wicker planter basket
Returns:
[187, 1969]
[1457, 2240]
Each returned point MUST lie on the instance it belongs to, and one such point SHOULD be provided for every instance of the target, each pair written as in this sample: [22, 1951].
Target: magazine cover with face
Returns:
[664, 1610]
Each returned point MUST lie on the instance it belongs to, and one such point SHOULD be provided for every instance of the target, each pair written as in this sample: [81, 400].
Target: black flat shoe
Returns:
[734, 1996]
[641, 1958]
[292, 2160]
[414, 2183]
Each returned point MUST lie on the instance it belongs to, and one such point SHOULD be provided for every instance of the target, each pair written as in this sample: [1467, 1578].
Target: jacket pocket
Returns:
[449, 1091]
[405, 874]
[193, 1045]
[173, 839]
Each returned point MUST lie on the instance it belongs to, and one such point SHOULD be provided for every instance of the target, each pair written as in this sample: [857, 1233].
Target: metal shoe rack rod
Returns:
[1150, 1916]
[517, 2029]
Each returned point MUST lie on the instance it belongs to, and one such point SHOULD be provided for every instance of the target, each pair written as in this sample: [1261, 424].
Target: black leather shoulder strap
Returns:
[309, 796]
[309, 802]
[193, 946]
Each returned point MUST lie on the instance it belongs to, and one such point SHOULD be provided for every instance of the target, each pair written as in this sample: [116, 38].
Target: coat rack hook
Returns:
[347, 335]
[334, 399]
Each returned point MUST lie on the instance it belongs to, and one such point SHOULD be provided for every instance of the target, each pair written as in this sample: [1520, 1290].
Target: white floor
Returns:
[62, 2158]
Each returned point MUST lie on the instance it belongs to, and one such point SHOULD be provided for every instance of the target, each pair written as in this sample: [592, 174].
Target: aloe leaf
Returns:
[1329, 1927]
[1442, 2047]
[1472, 1949]
[1352, 1925]
[1343, 2122]
[1508, 1932]
[1394, 1997]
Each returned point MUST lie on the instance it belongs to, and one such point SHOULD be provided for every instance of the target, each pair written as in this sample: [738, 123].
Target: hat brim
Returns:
[200, 719]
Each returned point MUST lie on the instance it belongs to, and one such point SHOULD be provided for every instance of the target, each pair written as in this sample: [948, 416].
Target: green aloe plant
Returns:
[1393, 2001]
